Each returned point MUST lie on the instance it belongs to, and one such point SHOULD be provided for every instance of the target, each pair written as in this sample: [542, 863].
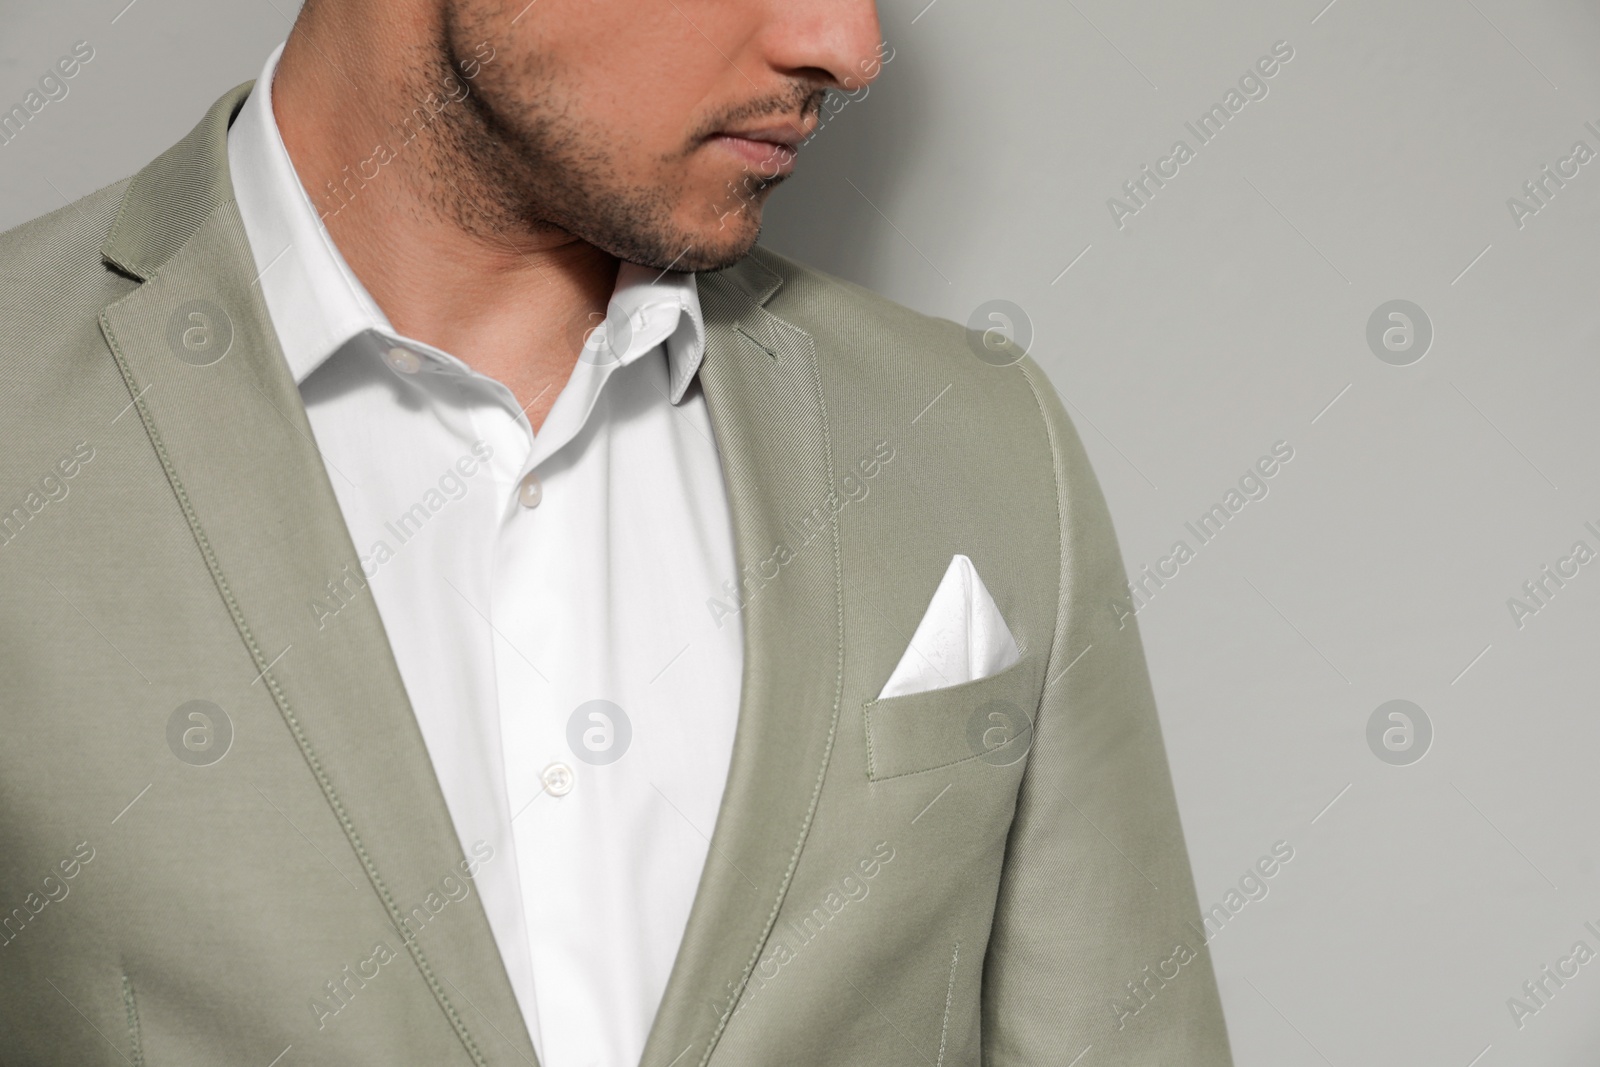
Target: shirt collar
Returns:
[317, 304]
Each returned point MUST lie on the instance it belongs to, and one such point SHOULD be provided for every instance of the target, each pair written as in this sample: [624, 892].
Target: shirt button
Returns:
[558, 779]
[403, 360]
[529, 491]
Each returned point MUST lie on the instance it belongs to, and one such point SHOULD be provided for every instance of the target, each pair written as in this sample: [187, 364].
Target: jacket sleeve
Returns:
[1097, 940]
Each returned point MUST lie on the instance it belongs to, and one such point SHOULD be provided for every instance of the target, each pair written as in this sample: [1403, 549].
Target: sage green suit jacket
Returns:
[883, 886]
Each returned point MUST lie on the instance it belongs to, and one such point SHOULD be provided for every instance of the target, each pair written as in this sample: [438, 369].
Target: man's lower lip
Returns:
[760, 157]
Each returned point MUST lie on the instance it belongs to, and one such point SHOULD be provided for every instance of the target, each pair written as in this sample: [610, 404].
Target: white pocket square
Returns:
[961, 638]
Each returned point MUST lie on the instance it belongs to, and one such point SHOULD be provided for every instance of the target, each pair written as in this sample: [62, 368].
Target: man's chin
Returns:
[719, 259]
[718, 246]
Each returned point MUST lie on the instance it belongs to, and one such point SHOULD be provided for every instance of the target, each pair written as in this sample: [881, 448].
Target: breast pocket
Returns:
[990, 719]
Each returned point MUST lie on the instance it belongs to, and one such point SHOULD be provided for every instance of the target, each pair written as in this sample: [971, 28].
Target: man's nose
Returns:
[830, 42]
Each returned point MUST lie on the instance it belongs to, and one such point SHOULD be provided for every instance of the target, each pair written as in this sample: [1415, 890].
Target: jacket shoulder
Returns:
[838, 309]
[874, 343]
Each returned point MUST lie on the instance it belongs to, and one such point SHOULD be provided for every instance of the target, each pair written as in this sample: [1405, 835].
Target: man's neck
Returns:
[510, 302]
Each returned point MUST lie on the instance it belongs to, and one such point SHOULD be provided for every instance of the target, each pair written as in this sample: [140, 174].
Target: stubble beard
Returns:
[509, 159]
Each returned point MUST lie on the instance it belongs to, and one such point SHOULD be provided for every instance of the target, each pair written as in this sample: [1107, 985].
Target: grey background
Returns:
[1227, 314]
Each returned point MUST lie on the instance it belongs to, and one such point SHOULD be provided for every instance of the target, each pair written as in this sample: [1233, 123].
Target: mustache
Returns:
[800, 101]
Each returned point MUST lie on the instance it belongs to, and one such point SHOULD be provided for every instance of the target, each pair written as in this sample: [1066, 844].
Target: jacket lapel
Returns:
[196, 347]
[764, 396]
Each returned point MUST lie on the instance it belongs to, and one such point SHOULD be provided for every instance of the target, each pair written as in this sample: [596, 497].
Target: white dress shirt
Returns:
[521, 578]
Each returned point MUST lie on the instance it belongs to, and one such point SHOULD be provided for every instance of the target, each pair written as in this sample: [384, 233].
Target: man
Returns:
[467, 604]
